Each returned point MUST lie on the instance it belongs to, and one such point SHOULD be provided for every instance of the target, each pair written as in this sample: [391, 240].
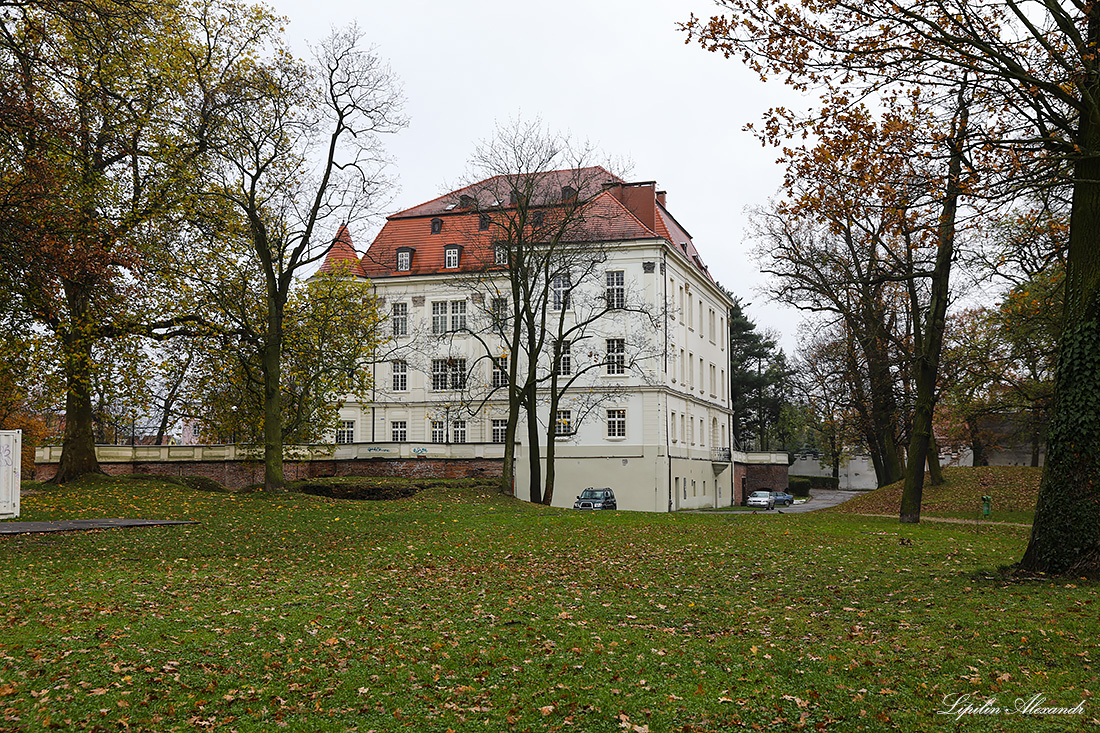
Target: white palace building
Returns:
[658, 429]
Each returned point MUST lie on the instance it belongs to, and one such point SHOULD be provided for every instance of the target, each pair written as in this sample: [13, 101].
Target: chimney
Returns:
[641, 200]
[661, 197]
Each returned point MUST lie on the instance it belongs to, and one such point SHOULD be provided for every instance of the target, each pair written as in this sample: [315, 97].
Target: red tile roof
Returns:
[342, 254]
[607, 218]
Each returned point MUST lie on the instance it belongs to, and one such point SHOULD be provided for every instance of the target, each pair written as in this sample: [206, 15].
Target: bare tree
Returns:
[556, 315]
[303, 156]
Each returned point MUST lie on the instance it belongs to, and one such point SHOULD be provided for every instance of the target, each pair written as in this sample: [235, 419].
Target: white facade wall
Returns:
[655, 457]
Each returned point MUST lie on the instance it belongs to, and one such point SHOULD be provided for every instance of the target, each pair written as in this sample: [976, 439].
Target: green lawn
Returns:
[1014, 490]
[460, 610]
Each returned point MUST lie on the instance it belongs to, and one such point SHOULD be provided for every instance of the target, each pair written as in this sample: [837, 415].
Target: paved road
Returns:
[68, 525]
[822, 499]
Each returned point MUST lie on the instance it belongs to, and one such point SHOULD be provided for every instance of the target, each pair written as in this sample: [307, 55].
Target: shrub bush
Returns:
[819, 482]
[799, 485]
[357, 488]
[203, 483]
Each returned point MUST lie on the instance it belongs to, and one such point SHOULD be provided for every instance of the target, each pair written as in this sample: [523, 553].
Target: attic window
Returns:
[483, 223]
[404, 259]
[537, 218]
[513, 198]
[450, 257]
[568, 193]
[465, 201]
[437, 225]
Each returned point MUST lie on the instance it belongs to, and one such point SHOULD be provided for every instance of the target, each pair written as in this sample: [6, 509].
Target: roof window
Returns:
[483, 223]
[404, 259]
[450, 257]
[437, 225]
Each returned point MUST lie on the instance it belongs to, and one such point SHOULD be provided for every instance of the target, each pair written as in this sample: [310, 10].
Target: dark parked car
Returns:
[596, 499]
[782, 497]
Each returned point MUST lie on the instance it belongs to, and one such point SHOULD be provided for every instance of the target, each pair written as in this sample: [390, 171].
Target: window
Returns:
[713, 381]
[683, 368]
[710, 323]
[702, 433]
[723, 383]
[500, 254]
[400, 375]
[616, 423]
[563, 357]
[500, 430]
[458, 315]
[500, 371]
[691, 371]
[700, 318]
[450, 258]
[458, 431]
[691, 430]
[440, 374]
[448, 374]
[701, 388]
[616, 289]
[439, 434]
[439, 317]
[560, 286]
[437, 225]
[498, 309]
[673, 426]
[682, 433]
[346, 432]
[404, 259]
[537, 218]
[722, 335]
[690, 316]
[400, 319]
[483, 223]
[616, 356]
[563, 425]
[399, 431]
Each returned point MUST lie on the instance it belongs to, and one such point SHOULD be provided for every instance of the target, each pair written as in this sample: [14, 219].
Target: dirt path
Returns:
[950, 520]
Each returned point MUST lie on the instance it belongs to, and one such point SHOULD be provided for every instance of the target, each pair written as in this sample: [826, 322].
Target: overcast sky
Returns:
[614, 72]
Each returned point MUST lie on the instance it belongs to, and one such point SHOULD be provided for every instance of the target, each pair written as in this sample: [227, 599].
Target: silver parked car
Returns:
[761, 499]
[782, 497]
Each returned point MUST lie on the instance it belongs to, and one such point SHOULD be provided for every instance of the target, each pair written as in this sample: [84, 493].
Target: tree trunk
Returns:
[930, 343]
[935, 469]
[1064, 536]
[273, 403]
[78, 445]
[534, 466]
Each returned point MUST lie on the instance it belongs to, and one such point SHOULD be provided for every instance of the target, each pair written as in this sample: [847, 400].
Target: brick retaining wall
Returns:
[236, 474]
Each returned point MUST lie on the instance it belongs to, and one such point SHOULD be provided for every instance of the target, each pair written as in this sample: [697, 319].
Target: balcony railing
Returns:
[720, 455]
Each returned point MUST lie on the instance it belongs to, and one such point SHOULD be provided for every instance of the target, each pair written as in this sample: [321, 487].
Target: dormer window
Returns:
[483, 223]
[450, 257]
[437, 225]
[465, 201]
[404, 259]
[568, 194]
